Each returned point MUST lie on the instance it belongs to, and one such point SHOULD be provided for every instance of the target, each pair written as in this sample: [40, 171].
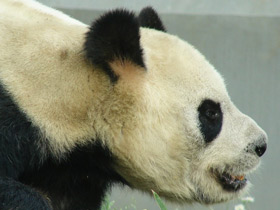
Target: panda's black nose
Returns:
[257, 147]
[260, 149]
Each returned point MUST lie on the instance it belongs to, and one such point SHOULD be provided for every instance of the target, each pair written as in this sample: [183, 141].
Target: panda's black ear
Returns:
[149, 18]
[115, 38]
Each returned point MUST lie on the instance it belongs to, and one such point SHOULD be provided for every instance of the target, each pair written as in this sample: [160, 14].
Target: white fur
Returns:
[149, 120]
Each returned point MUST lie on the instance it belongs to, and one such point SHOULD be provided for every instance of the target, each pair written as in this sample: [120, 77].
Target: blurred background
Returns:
[241, 38]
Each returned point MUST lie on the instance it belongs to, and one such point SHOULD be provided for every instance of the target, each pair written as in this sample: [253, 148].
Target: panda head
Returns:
[165, 114]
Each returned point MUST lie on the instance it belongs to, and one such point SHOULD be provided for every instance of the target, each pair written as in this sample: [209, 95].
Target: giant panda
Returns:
[120, 101]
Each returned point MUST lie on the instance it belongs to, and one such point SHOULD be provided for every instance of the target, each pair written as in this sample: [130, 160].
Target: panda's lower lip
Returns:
[231, 183]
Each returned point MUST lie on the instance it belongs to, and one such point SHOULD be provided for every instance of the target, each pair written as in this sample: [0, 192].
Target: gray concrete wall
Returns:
[242, 39]
[232, 7]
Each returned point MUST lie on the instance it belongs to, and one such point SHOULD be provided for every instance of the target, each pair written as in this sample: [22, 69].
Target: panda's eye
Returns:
[210, 119]
[212, 114]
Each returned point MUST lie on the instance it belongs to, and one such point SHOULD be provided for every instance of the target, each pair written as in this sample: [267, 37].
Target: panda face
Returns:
[172, 126]
[184, 139]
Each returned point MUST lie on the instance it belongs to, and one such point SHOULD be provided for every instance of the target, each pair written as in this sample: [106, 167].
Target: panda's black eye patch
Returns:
[210, 118]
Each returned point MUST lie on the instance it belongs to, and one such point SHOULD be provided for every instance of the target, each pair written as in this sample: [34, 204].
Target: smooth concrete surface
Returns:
[246, 50]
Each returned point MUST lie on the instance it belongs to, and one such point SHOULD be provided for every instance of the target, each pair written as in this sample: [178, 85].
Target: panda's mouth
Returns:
[229, 182]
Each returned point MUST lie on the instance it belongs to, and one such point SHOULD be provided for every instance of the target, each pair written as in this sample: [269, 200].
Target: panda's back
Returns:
[41, 50]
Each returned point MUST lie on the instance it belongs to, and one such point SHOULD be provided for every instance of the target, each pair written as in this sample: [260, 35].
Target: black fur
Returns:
[18, 139]
[149, 18]
[115, 35]
[15, 195]
[76, 182]
[18, 152]
[211, 119]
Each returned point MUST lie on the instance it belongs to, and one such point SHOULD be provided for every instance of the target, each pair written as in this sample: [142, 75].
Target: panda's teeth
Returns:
[240, 178]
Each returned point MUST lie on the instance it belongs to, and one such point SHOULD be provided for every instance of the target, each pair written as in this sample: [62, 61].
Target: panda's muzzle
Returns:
[230, 182]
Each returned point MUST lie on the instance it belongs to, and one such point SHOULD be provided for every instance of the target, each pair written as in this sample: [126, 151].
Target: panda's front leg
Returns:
[17, 196]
